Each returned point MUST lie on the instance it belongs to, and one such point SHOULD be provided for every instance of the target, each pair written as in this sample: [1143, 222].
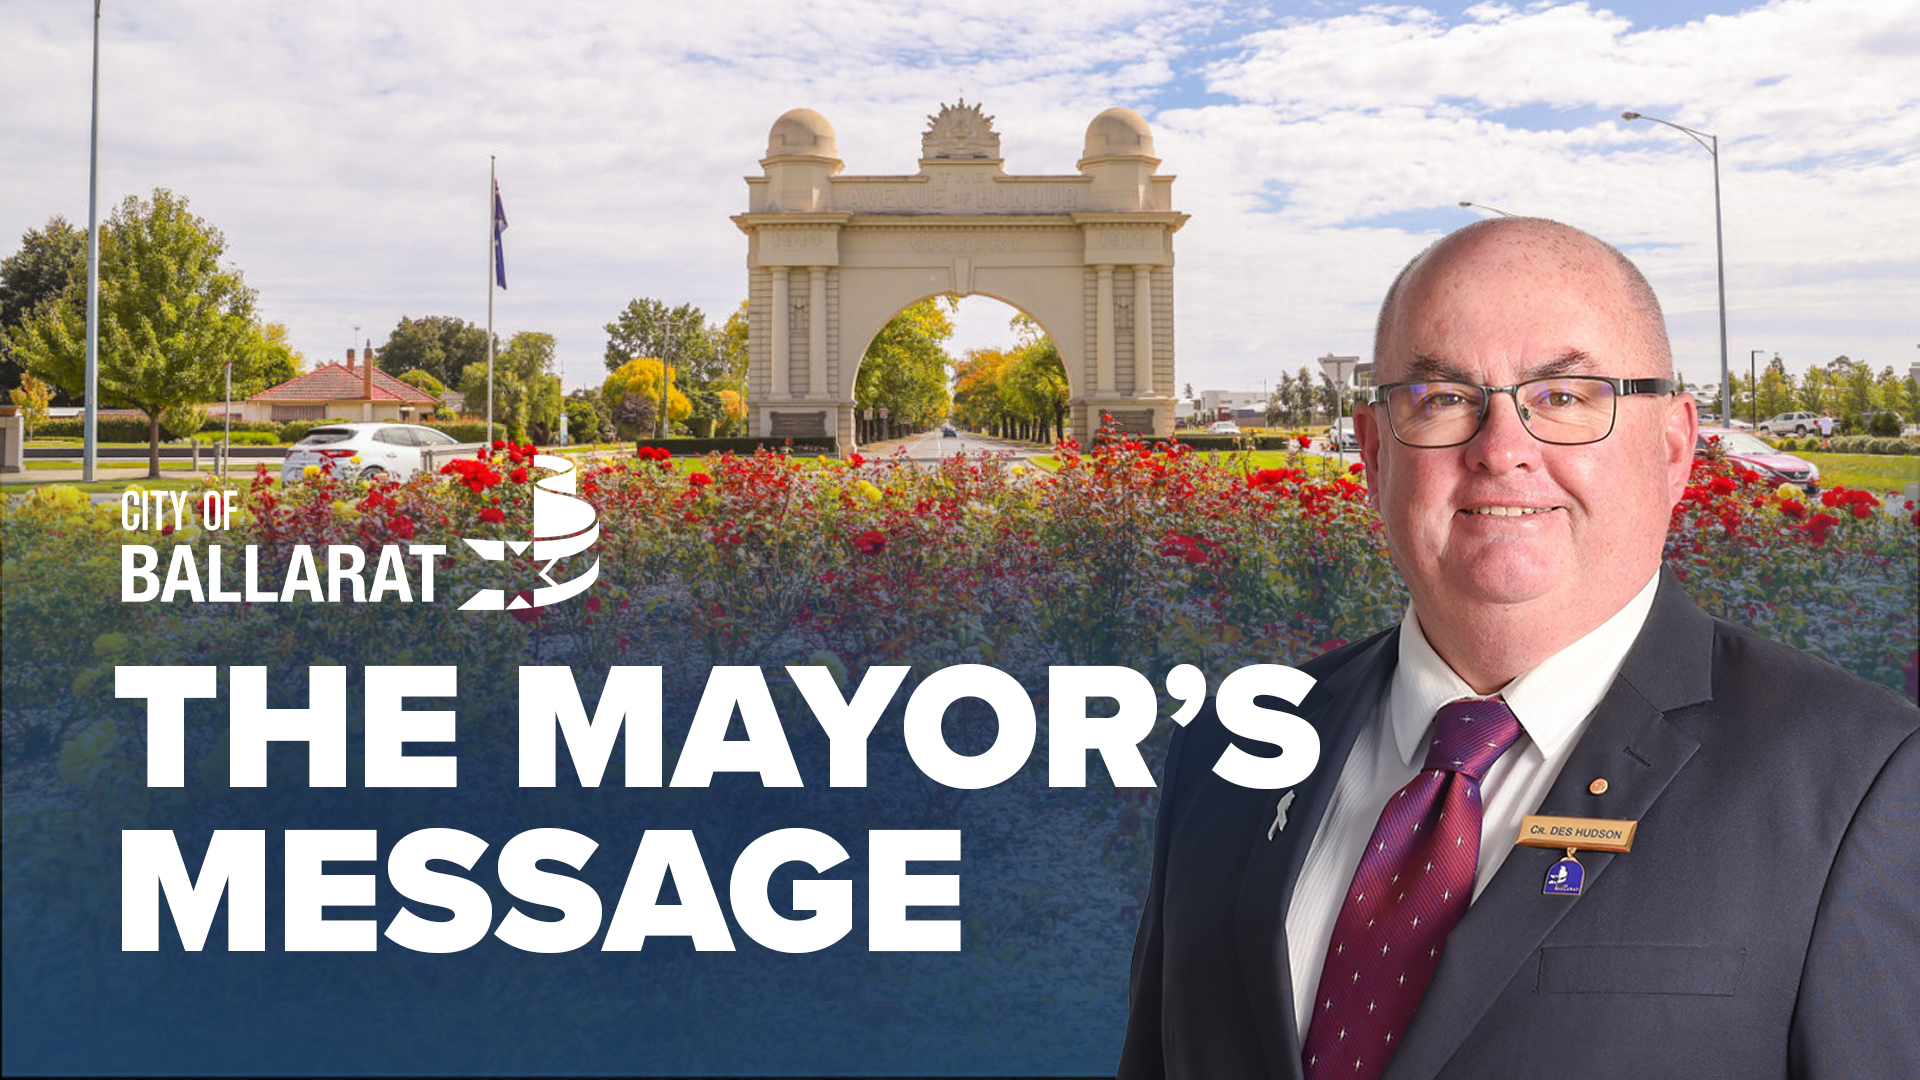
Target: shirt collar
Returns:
[1551, 701]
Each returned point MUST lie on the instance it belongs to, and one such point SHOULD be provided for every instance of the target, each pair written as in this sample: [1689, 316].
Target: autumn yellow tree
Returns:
[640, 377]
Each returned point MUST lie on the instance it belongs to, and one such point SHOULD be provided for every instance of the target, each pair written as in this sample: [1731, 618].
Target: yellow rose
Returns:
[310, 471]
[866, 488]
[1787, 491]
[1018, 470]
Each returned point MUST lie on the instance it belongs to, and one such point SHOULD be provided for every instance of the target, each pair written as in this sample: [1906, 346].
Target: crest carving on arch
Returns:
[961, 132]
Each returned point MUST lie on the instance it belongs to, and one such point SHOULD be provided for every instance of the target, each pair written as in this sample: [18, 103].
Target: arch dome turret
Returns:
[1118, 133]
[802, 133]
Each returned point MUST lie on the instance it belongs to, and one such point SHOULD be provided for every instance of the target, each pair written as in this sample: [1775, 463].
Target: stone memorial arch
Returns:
[830, 258]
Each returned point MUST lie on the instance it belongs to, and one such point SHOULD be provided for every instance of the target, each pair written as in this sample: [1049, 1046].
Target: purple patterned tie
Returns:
[1412, 886]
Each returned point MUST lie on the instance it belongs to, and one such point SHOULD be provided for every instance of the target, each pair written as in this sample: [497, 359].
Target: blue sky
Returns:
[342, 148]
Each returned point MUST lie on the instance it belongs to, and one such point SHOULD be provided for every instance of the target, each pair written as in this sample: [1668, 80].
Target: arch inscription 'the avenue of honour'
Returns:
[830, 258]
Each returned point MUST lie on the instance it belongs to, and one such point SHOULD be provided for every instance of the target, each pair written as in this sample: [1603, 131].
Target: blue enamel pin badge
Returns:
[1566, 877]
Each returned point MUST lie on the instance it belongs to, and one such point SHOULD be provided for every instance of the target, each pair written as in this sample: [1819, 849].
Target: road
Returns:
[931, 446]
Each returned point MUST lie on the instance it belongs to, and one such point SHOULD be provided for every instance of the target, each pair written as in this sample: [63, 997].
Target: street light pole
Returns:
[226, 434]
[1753, 386]
[1710, 143]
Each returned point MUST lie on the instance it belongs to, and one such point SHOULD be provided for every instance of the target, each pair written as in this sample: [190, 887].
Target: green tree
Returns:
[1776, 389]
[422, 380]
[1815, 391]
[1308, 397]
[526, 392]
[170, 317]
[1037, 389]
[648, 327]
[905, 368]
[586, 416]
[1854, 381]
[50, 260]
[732, 344]
[440, 345]
[278, 361]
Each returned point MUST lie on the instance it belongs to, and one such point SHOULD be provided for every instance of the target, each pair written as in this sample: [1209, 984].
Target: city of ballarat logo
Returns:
[563, 525]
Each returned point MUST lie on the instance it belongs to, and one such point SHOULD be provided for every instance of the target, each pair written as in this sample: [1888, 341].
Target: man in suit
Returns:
[1525, 448]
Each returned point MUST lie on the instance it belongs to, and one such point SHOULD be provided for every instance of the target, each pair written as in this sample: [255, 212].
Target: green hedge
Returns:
[1875, 444]
[108, 429]
[797, 444]
[213, 437]
[468, 430]
[294, 430]
[1853, 444]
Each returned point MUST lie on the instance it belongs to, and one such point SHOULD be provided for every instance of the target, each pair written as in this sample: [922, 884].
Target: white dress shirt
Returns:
[1553, 703]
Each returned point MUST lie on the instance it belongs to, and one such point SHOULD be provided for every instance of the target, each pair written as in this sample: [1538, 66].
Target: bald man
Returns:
[1733, 886]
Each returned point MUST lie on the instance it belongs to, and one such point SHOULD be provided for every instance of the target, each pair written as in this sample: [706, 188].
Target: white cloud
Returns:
[342, 148]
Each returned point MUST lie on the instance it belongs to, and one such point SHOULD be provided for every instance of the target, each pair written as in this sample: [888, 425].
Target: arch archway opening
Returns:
[978, 362]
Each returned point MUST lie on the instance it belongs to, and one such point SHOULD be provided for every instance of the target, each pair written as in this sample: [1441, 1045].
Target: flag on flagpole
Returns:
[499, 226]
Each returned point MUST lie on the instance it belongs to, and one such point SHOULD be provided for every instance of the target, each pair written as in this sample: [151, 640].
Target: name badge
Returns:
[1567, 877]
[1591, 834]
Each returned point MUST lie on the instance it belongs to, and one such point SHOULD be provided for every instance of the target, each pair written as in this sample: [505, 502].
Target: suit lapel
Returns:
[1630, 742]
[1336, 708]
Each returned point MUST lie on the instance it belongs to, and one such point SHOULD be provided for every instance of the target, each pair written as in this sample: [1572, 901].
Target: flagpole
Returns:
[493, 253]
[89, 424]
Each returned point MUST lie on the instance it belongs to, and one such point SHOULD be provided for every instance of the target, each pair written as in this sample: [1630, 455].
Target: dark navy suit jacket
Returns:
[1765, 924]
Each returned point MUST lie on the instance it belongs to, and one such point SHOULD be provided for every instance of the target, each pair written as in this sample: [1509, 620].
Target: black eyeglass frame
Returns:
[1377, 395]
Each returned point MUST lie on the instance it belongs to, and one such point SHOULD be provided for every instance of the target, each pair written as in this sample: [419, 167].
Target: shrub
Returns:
[182, 420]
[294, 430]
[470, 431]
[117, 429]
[269, 427]
[1869, 444]
[797, 444]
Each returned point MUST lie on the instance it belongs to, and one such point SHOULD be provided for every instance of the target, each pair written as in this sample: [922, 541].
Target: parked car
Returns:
[1223, 427]
[1745, 450]
[1341, 434]
[1791, 423]
[364, 450]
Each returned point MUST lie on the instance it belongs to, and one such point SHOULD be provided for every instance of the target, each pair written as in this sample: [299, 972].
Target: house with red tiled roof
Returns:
[336, 391]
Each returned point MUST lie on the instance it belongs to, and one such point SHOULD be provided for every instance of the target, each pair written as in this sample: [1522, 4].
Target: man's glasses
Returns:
[1566, 410]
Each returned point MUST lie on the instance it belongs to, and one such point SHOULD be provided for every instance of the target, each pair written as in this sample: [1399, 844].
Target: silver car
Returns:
[364, 450]
[1342, 436]
[1791, 423]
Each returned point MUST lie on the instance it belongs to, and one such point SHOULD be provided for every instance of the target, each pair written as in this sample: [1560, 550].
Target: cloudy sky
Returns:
[341, 145]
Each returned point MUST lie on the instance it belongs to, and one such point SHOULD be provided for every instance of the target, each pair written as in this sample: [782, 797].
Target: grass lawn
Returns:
[1878, 473]
[117, 465]
[107, 487]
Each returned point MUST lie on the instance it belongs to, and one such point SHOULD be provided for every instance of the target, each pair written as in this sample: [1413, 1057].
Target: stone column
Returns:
[816, 331]
[1103, 328]
[778, 330]
[1142, 331]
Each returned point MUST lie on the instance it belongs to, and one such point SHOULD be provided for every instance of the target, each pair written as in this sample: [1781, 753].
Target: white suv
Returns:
[1791, 423]
[364, 450]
